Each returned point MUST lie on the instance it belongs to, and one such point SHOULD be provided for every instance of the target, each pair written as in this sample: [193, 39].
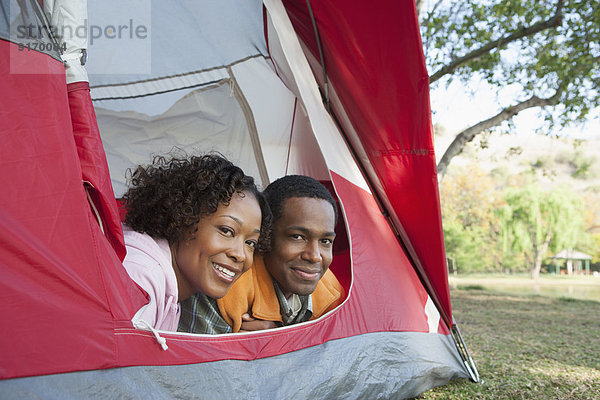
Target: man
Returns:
[291, 283]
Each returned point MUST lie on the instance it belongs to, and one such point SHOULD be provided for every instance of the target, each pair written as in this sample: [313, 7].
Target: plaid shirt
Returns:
[200, 314]
[306, 311]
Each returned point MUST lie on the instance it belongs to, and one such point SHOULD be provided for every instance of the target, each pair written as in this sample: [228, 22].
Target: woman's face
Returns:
[221, 250]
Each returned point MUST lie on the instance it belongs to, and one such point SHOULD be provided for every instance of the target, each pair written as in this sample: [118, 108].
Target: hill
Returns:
[549, 160]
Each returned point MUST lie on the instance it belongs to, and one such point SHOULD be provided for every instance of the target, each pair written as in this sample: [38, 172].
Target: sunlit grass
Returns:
[525, 277]
[527, 347]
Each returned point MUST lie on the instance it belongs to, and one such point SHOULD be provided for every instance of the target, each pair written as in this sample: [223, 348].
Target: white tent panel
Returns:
[140, 96]
[196, 42]
[221, 105]
[272, 107]
[203, 120]
[334, 149]
[306, 157]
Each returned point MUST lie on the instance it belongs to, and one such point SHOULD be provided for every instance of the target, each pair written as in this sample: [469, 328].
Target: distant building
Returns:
[575, 262]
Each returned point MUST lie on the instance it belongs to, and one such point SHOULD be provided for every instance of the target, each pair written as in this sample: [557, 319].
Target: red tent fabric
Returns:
[94, 168]
[62, 282]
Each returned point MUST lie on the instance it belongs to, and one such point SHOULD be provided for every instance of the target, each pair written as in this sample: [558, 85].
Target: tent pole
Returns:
[318, 39]
[464, 353]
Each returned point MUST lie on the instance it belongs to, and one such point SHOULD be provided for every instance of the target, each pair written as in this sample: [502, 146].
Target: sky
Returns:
[455, 109]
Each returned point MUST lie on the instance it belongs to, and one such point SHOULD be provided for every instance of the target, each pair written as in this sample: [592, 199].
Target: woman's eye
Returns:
[227, 231]
[252, 244]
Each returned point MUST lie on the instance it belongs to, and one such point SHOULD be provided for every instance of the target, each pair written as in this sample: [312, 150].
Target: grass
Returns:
[525, 276]
[526, 347]
[471, 287]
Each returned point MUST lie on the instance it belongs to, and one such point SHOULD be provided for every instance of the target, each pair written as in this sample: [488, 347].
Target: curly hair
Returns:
[296, 186]
[167, 198]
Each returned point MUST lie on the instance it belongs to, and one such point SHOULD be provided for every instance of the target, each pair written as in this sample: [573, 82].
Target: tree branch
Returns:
[592, 228]
[419, 5]
[553, 22]
[425, 21]
[464, 137]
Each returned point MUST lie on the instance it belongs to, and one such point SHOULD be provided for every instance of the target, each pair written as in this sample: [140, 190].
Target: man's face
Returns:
[302, 244]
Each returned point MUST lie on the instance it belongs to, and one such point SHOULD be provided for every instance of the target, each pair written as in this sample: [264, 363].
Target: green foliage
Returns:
[582, 168]
[545, 165]
[564, 157]
[468, 247]
[563, 58]
[470, 226]
[591, 245]
[544, 161]
[489, 227]
[585, 167]
[532, 215]
[500, 174]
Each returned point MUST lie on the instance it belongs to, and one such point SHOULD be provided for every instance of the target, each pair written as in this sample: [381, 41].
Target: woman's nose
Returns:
[236, 252]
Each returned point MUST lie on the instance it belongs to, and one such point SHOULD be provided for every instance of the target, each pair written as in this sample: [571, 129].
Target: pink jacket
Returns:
[148, 263]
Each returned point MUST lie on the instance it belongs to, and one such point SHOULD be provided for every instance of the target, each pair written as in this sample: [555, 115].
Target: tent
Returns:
[332, 89]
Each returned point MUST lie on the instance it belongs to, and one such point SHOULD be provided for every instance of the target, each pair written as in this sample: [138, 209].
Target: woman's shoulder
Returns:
[148, 263]
[147, 256]
[142, 242]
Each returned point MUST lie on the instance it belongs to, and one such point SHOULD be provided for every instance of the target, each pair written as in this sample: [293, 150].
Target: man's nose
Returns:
[312, 252]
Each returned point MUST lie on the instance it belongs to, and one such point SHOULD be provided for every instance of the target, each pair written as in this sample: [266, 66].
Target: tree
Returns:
[549, 50]
[591, 202]
[470, 227]
[534, 220]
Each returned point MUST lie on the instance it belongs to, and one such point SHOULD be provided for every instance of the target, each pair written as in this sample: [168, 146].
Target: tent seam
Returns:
[252, 130]
[225, 66]
[287, 162]
[136, 96]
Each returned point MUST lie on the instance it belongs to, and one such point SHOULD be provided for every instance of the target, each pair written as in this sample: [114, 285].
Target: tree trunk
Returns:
[464, 137]
[538, 256]
[419, 4]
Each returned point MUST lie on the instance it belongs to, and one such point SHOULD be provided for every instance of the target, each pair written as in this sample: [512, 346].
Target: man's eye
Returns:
[295, 236]
[252, 243]
[327, 242]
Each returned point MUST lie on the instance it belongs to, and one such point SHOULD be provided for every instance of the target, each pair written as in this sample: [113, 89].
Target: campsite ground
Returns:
[526, 347]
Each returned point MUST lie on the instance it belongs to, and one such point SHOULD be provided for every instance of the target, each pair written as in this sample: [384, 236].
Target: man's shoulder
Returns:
[255, 281]
[329, 281]
[254, 292]
[328, 294]
[242, 284]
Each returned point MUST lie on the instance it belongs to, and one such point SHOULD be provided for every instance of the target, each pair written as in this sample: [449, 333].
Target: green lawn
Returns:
[526, 347]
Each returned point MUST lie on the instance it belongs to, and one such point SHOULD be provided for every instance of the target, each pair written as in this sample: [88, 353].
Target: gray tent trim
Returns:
[389, 364]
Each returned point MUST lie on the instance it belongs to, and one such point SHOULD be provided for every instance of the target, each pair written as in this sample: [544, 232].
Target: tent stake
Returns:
[464, 353]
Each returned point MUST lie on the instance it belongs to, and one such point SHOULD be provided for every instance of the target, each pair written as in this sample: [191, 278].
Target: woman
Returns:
[192, 225]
